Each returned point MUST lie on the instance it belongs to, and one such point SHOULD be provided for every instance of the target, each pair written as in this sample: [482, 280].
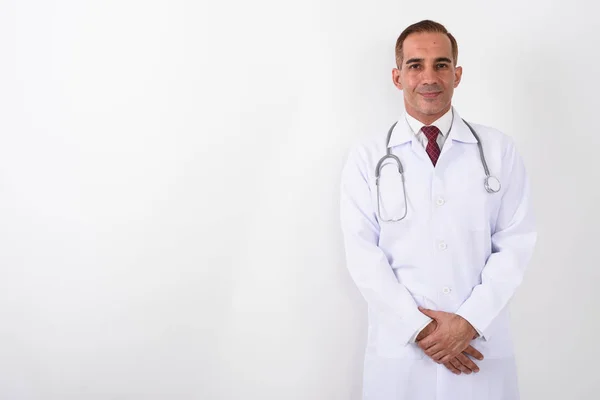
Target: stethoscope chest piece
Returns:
[492, 184]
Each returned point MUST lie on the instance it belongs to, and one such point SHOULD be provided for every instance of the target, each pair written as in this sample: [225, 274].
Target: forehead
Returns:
[427, 45]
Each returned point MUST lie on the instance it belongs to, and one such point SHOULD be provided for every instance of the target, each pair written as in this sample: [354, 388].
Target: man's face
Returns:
[427, 75]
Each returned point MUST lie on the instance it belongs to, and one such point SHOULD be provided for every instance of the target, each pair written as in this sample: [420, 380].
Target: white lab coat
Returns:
[459, 249]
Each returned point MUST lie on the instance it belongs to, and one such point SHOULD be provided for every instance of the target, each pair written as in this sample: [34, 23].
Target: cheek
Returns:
[450, 83]
[408, 81]
[412, 86]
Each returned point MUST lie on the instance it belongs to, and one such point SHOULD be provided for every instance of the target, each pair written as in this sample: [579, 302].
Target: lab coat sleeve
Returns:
[366, 262]
[513, 241]
[413, 339]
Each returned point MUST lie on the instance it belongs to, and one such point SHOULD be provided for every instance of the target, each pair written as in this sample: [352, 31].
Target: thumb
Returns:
[430, 313]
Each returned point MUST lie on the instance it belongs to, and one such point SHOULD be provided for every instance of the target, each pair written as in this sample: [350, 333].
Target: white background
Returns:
[169, 189]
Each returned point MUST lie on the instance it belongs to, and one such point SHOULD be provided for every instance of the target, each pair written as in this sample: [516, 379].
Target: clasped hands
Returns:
[447, 341]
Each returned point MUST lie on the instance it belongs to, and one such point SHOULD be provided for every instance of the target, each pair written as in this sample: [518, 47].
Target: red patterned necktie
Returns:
[433, 150]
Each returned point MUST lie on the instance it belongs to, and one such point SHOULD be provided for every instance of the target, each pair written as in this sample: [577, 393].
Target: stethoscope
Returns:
[491, 183]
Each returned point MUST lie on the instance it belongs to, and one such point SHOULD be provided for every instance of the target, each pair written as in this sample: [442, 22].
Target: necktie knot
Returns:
[431, 132]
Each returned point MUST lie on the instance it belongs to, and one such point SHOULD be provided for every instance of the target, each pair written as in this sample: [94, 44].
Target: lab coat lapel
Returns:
[419, 150]
[403, 134]
[459, 132]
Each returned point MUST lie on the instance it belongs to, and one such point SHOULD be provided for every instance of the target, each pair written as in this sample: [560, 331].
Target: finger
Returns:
[458, 365]
[428, 342]
[449, 356]
[468, 362]
[428, 312]
[437, 357]
[473, 352]
[452, 368]
[433, 349]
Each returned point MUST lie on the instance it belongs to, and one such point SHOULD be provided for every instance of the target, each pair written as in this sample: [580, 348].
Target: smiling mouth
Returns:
[431, 95]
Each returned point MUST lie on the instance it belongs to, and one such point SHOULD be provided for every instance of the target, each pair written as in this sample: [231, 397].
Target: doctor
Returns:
[437, 243]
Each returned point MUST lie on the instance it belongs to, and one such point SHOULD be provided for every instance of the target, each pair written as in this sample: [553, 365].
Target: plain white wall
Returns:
[169, 188]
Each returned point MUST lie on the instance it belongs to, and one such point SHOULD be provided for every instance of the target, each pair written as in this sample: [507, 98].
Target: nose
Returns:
[429, 76]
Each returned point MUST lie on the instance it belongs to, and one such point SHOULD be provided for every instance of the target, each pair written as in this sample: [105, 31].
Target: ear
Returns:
[457, 76]
[396, 78]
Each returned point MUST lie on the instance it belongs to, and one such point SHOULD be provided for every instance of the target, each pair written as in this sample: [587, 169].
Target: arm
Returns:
[366, 262]
[513, 241]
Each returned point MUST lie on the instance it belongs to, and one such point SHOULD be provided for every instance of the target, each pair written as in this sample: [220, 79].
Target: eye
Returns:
[414, 66]
[441, 66]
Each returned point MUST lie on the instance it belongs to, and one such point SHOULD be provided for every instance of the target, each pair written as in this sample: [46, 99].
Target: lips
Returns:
[430, 95]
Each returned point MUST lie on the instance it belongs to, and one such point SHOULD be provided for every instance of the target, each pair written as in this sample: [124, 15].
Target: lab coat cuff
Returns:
[477, 324]
[416, 322]
[417, 333]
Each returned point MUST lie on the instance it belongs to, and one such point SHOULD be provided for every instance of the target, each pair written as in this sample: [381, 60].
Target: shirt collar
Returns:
[403, 132]
[443, 123]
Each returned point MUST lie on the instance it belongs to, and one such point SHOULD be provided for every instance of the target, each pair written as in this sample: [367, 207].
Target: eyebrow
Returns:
[437, 60]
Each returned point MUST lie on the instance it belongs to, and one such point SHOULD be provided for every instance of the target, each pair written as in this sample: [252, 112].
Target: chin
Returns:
[430, 109]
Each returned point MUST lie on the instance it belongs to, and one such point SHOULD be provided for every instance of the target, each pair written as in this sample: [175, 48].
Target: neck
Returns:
[427, 119]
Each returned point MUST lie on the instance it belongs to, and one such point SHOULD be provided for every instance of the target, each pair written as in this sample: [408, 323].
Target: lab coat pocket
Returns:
[472, 230]
[500, 344]
[472, 204]
[474, 213]
[386, 340]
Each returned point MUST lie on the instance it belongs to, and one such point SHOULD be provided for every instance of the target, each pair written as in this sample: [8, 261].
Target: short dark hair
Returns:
[424, 26]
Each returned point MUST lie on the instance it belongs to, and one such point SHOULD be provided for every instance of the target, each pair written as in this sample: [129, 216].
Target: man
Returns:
[439, 251]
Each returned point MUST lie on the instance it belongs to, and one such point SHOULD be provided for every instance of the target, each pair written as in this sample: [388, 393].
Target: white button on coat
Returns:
[395, 270]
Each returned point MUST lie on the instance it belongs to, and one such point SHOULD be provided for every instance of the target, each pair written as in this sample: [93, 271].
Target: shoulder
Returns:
[500, 150]
[368, 147]
[490, 133]
[493, 139]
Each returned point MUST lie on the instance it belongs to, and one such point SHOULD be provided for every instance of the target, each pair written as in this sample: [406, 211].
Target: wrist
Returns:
[472, 330]
[427, 330]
